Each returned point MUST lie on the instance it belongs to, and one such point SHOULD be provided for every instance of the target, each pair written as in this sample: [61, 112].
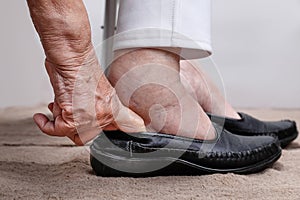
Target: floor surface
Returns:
[35, 166]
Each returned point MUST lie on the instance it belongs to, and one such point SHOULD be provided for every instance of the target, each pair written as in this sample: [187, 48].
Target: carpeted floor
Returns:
[35, 166]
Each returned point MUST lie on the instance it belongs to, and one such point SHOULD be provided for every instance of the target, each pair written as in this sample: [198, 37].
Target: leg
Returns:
[165, 26]
[147, 79]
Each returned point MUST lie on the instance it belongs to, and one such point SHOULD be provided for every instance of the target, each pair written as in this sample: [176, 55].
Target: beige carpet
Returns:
[34, 166]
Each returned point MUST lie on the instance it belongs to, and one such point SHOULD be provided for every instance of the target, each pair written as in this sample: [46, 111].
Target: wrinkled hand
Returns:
[85, 103]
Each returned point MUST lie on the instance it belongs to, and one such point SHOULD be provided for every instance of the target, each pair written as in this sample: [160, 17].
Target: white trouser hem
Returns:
[153, 38]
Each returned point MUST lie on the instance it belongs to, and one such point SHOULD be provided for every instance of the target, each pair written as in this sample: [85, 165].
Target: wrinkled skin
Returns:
[148, 82]
[207, 94]
[84, 102]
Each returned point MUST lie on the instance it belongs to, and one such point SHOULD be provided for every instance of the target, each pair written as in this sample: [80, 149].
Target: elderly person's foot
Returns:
[148, 82]
[205, 91]
[213, 102]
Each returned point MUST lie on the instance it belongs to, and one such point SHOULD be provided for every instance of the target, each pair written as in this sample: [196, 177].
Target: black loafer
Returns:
[285, 130]
[116, 153]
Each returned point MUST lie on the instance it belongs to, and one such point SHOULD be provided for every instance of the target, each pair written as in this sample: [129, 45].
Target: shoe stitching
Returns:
[275, 131]
[216, 155]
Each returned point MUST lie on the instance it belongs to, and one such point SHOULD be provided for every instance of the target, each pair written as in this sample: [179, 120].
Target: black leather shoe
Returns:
[285, 130]
[116, 153]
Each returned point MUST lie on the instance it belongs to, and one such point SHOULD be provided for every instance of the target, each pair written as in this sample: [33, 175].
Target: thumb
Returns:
[44, 124]
[128, 121]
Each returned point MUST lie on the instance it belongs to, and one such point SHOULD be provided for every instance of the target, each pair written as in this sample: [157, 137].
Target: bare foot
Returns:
[148, 82]
[205, 92]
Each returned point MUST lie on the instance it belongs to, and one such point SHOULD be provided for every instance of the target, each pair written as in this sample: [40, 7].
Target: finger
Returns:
[86, 136]
[129, 122]
[44, 124]
[111, 127]
[76, 139]
[56, 110]
[50, 106]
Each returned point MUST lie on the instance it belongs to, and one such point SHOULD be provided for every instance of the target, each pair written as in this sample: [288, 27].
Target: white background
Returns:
[256, 48]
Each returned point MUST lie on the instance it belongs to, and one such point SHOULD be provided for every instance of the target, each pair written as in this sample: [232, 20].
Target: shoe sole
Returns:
[178, 167]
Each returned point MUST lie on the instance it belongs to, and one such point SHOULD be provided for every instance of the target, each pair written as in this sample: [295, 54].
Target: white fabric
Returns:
[181, 24]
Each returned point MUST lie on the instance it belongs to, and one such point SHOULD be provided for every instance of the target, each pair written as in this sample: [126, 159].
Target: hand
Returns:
[85, 103]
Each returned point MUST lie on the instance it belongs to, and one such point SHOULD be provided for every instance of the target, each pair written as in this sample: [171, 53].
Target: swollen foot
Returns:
[148, 82]
[205, 91]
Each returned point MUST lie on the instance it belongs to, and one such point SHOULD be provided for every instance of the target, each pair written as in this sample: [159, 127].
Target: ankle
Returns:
[148, 82]
[139, 61]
